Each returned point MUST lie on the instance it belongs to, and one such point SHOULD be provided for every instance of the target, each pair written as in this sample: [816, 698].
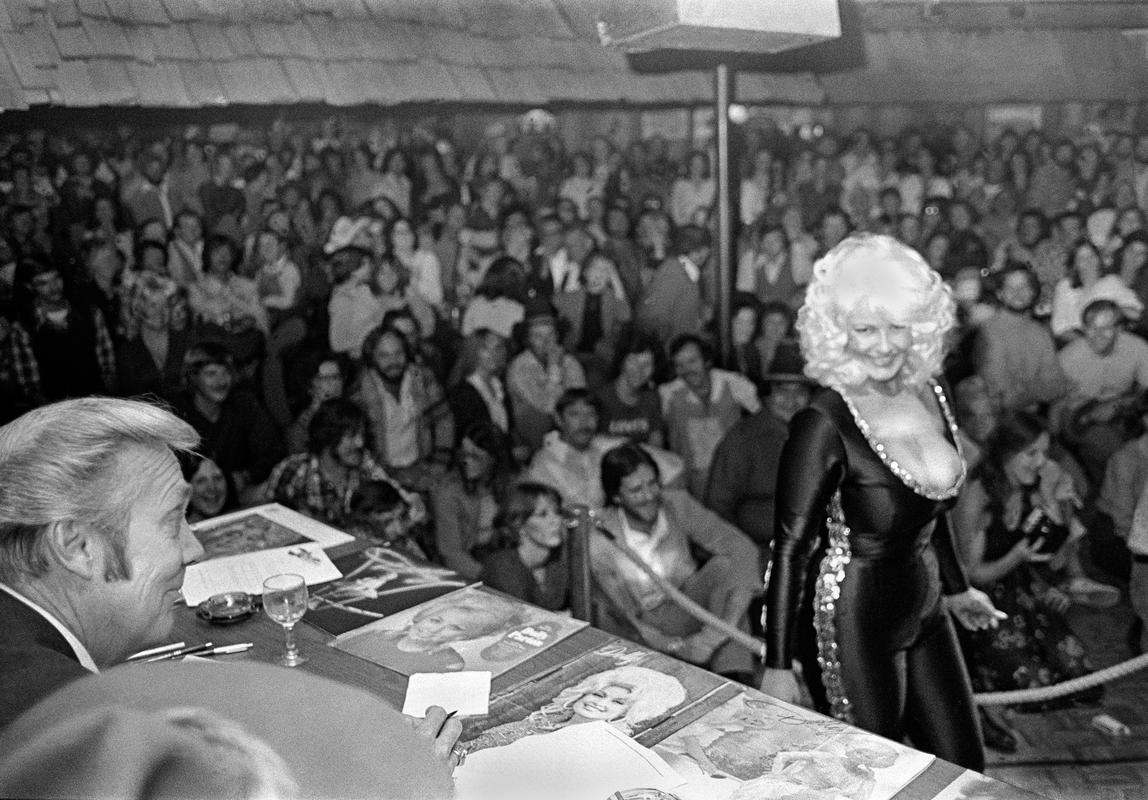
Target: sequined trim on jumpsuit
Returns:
[826, 595]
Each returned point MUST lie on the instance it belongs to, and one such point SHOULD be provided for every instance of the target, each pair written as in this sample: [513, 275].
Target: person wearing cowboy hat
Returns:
[743, 474]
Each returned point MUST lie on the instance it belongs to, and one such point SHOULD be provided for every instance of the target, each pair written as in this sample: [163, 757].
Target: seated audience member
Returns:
[539, 375]
[1015, 354]
[700, 405]
[185, 250]
[465, 501]
[420, 262]
[1086, 282]
[211, 493]
[1126, 475]
[225, 306]
[328, 380]
[380, 515]
[764, 270]
[672, 302]
[227, 416]
[1108, 370]
[596, 318]
[278, 281]
[410, 425]
[149, 361]
[528, 558]
[321, 482]
[93, 541]
[1014, 537]
[180, 730]
[497, 303]
[60, 346]
[743, 476]
[480, 394]
[663, 529]
[570, 458]
[977, 412]
[353, 309]
[630, 405]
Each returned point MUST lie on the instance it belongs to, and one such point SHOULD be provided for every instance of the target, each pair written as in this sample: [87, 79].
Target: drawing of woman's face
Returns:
[609, 703]
[446, 625]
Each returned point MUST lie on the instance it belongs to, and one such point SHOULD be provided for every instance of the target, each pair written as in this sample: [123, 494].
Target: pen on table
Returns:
[155, 651]
[184, 651]
[445, 720]
[228, 649]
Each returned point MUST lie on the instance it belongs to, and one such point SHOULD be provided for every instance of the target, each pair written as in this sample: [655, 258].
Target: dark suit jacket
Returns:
[35, 659]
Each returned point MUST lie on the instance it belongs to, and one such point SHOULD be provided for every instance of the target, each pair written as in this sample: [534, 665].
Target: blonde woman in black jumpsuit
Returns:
[867, 476]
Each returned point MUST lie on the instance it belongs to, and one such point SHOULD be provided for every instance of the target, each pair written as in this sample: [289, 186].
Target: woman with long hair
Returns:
[527, 558]
[1088, 280]
[871, 467]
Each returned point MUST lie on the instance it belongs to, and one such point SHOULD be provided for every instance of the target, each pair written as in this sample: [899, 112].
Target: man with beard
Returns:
[1015, 354]
[570, 458]
[693, 549]
[410, 423]
[701, 405]
[322, 482]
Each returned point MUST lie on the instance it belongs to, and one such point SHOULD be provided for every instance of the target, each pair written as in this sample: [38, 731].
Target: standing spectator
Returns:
[394, 184]
[538, 376]
[410, 424]
[226, 306]
[672, 303]
[149, 360]
[148, 197]
[223, 205]
[700, 405]
[60, 347]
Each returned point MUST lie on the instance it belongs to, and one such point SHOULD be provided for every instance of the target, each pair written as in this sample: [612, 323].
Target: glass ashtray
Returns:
[227, 608]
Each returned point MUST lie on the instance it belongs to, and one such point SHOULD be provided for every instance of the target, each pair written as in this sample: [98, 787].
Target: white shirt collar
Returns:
[693, 271]
[82, 654]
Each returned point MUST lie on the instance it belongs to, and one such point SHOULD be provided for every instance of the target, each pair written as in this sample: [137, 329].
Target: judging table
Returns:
[329, 662]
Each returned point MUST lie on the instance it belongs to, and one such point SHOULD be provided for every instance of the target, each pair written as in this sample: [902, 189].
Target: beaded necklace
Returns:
[894, 466]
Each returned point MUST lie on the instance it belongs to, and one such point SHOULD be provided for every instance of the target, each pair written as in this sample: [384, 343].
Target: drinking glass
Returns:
[285, 601]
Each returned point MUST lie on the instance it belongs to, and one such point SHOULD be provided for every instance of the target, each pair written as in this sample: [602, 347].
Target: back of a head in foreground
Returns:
[216, 730]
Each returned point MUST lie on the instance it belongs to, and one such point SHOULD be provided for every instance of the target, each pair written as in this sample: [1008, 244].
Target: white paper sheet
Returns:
[246, 573]
[465, 693]
[580, 762]
[260, 527]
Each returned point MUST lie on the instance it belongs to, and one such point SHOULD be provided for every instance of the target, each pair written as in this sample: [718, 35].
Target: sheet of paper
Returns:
[580, 762]
[465, 693]
[246, 573]
[263, 527]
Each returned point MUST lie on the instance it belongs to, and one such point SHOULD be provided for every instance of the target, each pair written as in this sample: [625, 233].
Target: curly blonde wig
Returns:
[873, 272]
[655, 693]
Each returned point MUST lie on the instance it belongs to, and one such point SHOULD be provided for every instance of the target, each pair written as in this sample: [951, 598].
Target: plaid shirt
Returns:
[297, 482]
[26, 370]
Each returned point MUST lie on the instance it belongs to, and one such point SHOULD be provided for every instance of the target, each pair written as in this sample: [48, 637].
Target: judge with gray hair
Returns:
[93, 540]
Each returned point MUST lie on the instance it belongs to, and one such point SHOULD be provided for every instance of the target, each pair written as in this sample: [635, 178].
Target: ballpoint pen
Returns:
[155, 651]
[185, 651]
[445, 720]
[229, 649]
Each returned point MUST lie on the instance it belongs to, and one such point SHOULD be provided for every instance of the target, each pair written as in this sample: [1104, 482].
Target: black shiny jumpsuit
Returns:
[899, 663]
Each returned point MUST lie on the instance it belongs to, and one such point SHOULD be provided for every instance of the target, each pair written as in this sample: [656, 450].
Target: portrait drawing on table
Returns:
[774, 750]
[472, 628]
[376, 582]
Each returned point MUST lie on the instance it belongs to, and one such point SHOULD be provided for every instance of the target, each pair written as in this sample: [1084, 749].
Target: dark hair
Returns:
[1135, 237]
[206, 354]
[577, 394]
[779, 307]
[489, 438]
[518, 506]
[396, 314]
[635, 345]
[505, 277]
[389, 230]
[1015, 430]
[1099, 306]
[1024, 269]
[683, 340]
[334, 419]
[372, 341]
[689, 238]
[149, 244]
[216, 241]
[621, 462]
[1070, 266]
[374, 497]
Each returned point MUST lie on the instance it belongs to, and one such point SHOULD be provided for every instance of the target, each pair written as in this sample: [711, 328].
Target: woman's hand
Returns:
[1057, 600]
[442, 733]
[782, 684]
[974, 609]
[1028, 552]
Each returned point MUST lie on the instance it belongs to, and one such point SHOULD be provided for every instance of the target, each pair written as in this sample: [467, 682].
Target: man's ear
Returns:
[76, 547]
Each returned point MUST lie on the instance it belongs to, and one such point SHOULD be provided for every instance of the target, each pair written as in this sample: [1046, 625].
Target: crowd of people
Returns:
[451, 350]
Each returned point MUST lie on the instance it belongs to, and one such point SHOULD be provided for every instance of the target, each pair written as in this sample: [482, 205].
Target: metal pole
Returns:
[581, 600]
[722, 92]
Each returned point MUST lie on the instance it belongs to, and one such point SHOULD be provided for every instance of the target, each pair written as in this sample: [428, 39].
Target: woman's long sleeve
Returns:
[811, 468]
[953, 578]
